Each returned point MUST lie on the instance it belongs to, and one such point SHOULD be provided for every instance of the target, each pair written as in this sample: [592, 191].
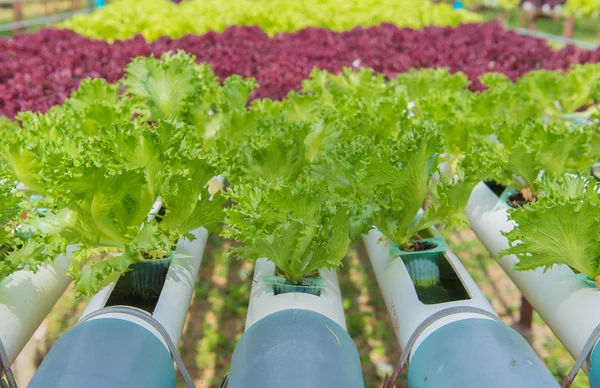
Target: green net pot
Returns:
[422, 266]
[148, 277]
[284, 286]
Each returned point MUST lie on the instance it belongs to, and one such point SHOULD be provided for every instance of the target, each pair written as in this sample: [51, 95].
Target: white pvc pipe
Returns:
[264, 302]
[175, 298]
[26, 298]
[569, 307]
[173, 303]
[405, 309]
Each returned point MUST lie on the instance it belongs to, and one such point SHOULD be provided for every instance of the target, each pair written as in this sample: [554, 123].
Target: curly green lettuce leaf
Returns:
[30, 236]
[332, 89]
[19, 153]
[451, 194]
[557, 92]
[9, 205]
[400, 173]
[343, 168]
[187, 201]
[163, 87]
[301, 227]
[175, 86]
[274, 150]
[419, 83]
[96, 104]
[560, 228]
[530, 149]
[94, 90]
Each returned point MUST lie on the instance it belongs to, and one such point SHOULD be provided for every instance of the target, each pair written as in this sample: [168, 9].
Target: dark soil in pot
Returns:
[420, 246]
[498, 189]
[516, 200]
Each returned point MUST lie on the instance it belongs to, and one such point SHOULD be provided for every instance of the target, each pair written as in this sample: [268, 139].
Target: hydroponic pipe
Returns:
[462, 349]
[564, 302]
[264, 302]
[26, 298]
[121, 350]
[294, 339]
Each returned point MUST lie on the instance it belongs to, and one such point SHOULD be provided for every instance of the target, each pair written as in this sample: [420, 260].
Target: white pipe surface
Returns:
[264, 302]
[403, 304]
[569, 307]
[175, 298]
[26, 298]
[173, 303]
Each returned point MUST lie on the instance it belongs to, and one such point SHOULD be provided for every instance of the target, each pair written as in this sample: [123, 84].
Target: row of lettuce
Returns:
[156, 18]
[304, 176]
[153, 19]
[589, 9]
[568, 8]
[42, 69]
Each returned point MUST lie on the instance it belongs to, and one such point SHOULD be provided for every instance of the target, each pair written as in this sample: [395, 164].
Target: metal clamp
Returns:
[389, 382]
[5, 370]
[224, 381]
[145, 316]
[588, 347]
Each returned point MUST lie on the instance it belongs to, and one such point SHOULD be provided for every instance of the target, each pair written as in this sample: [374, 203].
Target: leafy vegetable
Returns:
[156, 18]
[41, 70]
[113, 190]
[174, 86]
[106, 171]
[274, 150]
[399, 173]
[25, 243]
[530, 149]
[560, 228]
[301, 227]
[392, 179]
[9, 205]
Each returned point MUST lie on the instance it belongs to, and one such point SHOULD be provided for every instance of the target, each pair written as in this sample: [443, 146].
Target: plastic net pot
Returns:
[423, 266]
[307, 286]
[148, 277]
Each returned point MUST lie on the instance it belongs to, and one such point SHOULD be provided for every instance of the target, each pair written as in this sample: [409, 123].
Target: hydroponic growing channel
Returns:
[122, 163]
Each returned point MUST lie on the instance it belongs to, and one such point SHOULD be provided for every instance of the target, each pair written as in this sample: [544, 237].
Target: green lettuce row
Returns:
[156, 18]
[308, 174]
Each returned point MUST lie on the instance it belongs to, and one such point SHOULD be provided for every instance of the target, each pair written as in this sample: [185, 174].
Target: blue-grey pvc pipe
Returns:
[594, 374]
[103, 353]
[295, 349]
[475, 353]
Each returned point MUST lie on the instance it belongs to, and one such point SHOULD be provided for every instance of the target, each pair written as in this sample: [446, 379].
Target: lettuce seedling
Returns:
[9, 205]
[302, 227]
[391, 180]
[25, 225]
[112, 190]
[399, 173]
[273, 150]
[525, 151]
[175, 87]
[560, 228]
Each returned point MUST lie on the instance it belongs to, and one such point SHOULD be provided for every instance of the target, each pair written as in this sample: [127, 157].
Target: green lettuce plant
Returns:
[560, 228]
[302, 227]
[25, 223]
[525, 151]
[112, 191]
[174, 86]
[392, 180]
